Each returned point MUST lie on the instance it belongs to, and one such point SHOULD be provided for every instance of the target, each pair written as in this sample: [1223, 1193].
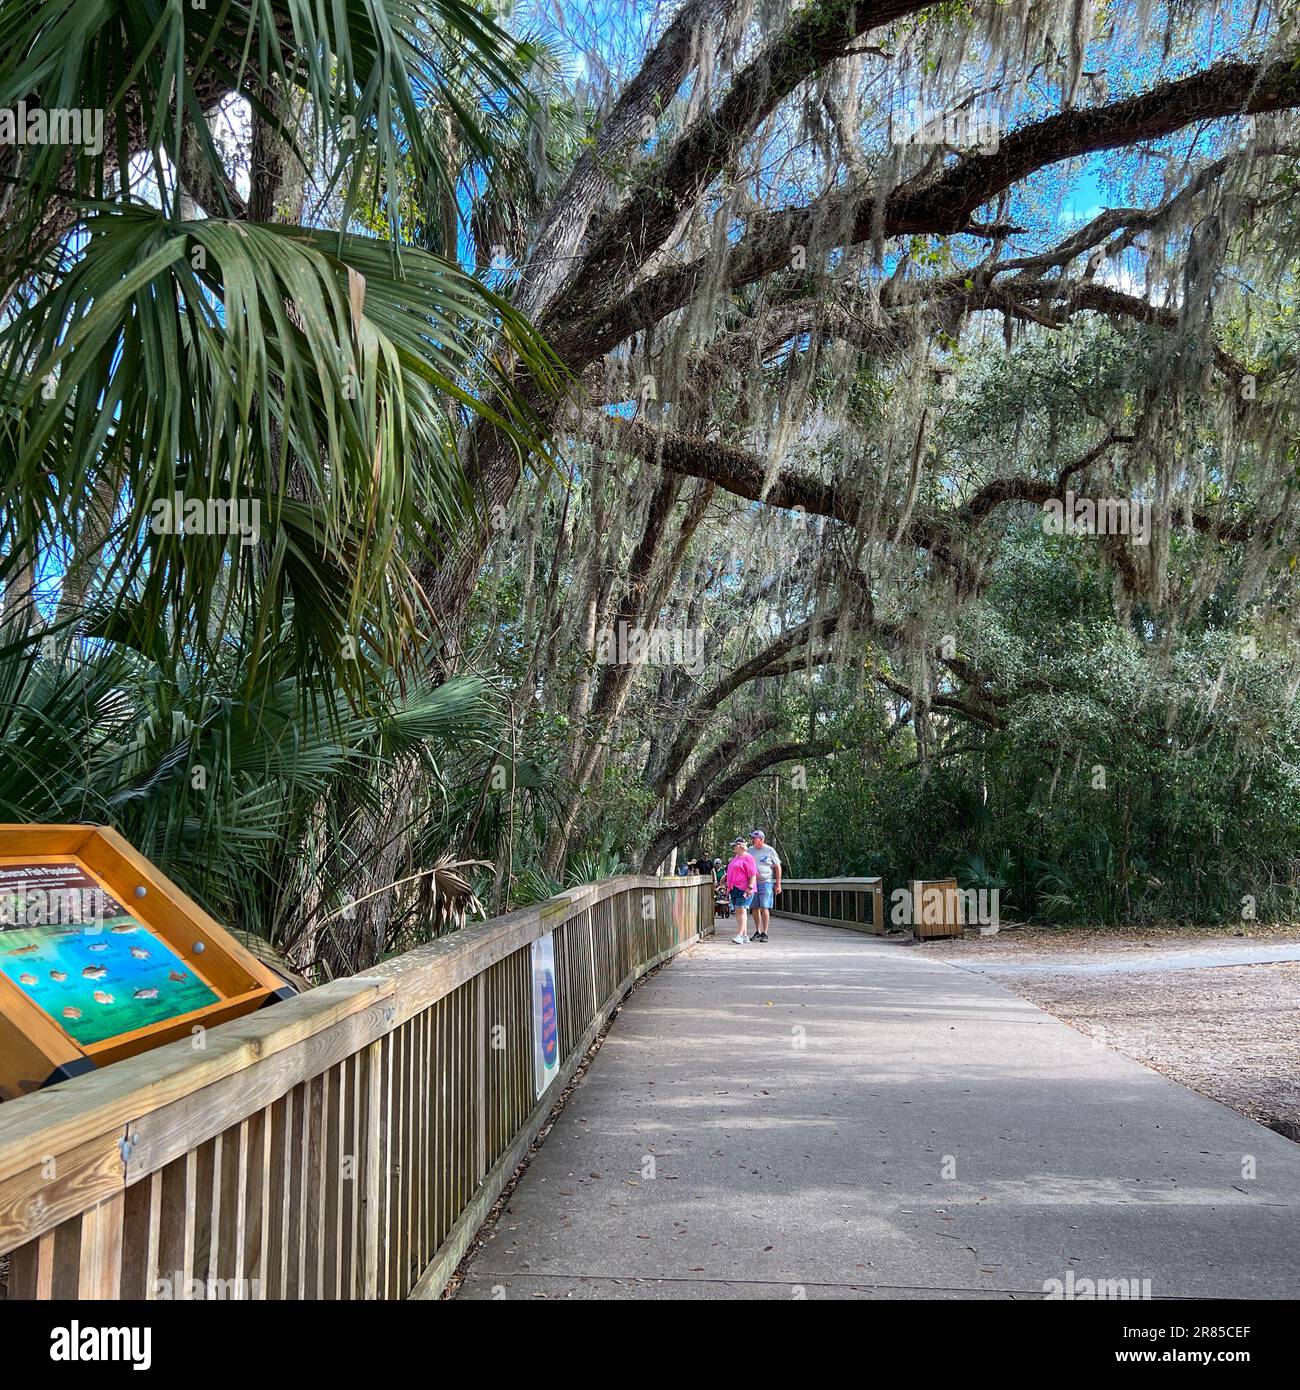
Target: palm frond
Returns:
[289, 368]
[365, 68]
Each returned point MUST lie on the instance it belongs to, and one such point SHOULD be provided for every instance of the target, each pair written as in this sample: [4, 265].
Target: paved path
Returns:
[1140, 962]
[802, 1103]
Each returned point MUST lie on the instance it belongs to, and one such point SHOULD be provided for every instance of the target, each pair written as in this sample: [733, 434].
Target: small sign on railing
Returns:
[546, 1020]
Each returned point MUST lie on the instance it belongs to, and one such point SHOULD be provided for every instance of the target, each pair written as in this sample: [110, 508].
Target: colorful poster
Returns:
[546, 1019]
[79, 956]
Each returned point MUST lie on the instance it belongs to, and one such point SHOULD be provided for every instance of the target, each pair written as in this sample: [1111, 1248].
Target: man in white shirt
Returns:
[769, 882]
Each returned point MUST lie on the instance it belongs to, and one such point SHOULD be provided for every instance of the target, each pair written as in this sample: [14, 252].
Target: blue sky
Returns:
[1084, 197]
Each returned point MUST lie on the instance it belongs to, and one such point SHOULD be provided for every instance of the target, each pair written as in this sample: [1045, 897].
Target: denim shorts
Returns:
[739, 898]
[763, 898]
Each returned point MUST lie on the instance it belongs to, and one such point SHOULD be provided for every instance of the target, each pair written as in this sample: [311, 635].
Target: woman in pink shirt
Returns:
[742, 882]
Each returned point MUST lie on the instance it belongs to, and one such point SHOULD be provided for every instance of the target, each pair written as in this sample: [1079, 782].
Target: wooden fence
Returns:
[835, 902]
[344, 1144]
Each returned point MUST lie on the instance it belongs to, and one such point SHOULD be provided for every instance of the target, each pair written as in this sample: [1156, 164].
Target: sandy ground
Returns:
[1172, 998]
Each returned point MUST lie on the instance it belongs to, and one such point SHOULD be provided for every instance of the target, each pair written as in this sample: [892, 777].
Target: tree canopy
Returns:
[877, 419]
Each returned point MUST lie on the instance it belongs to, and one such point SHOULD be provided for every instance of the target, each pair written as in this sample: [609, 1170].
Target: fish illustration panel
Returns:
[97, 978]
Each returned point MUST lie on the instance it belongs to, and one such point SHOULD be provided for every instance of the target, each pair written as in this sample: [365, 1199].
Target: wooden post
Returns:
[372, 1201]
[100, 1272]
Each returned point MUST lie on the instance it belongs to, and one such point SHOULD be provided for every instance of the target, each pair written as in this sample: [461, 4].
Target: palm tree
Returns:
[254, 790]
[322, 372]
[240, 285]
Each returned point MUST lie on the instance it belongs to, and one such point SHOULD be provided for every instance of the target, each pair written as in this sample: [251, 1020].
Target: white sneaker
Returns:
[740, 939]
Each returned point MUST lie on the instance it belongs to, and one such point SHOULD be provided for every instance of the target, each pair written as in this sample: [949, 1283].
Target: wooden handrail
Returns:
[857, 903]
[829, 882]
[338, 1143]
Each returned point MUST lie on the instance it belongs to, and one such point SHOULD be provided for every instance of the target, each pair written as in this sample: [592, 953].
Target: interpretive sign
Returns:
[101, 957]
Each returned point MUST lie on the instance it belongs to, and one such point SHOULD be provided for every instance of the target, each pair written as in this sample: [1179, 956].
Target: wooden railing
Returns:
[344, 1144]
[835, 902]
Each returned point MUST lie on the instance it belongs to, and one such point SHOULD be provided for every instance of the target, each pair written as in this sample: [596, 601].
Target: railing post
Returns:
[374, 1170]
[31, 1269]
[99, 1273]
[480, 1076]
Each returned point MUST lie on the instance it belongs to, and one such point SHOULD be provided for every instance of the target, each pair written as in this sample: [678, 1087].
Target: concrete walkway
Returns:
[832, 1116]
[1224, 958]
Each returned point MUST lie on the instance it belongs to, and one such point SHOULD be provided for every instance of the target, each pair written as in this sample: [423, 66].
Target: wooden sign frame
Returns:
[35, 1050]
[925, 893]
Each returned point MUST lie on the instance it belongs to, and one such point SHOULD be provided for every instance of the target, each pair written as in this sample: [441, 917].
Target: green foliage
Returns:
[535, 885]
[258, 798]
[1142, 776]
[322, 374]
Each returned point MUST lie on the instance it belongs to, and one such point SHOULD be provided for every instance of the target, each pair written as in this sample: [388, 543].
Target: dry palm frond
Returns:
[444, 897]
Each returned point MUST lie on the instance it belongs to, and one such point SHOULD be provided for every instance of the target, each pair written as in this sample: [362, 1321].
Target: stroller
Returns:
[722, 900]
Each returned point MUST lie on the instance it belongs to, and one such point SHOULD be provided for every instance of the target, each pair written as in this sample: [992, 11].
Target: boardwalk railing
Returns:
[344, 1144]
[835, 902]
